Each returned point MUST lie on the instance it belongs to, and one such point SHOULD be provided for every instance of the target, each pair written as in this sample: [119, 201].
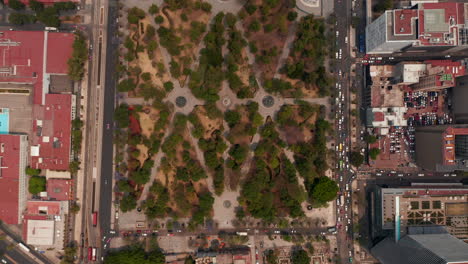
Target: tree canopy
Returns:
[134, 255]
[300, 257]
[356, 159]
[78, 58]
[37, 184]
[323, 190]
[373, 153]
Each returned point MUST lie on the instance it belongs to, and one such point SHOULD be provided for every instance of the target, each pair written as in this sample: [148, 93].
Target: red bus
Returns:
[90, 253]
[95, 219]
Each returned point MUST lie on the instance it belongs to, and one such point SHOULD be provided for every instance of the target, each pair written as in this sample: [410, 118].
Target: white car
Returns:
[421, 175]
[337, 33]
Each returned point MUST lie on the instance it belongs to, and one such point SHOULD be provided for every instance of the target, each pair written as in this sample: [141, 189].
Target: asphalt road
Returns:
[16, 253]
[13, 255]
[343, 128]
[111, 59]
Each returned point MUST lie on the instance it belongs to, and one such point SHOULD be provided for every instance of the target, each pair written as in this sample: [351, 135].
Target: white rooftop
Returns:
[40, 232]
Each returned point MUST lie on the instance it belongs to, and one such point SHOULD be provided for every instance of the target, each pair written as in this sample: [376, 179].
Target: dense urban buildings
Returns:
[37, 109]
[425, 27]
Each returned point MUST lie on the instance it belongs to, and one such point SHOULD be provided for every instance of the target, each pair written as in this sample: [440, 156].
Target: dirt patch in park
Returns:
[147, 120]
[302, 131]
[143, 153]
[268, 42]
[210, 125]
[181, 28]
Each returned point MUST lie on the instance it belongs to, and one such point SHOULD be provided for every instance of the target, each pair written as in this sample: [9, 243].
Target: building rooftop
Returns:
[425, 25]
[51, 133]
[386, 118]
[43, 207]
[60, 190]
[10, 170]
[422, 249]
[425, 204]
[40, 232]
[23, 55]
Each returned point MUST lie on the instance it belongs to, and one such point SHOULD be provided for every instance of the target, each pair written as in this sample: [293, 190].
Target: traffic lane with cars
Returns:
[14, 255]
[344, 213]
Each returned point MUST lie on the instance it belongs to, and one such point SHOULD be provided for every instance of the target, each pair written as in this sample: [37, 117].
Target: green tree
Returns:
[135, 254]
[370, 139]
[69, 254]
[49, 16]
[292, 15]
[16, 5]
[323, 190]
[300, 257]
[373, 153]
[356, 159]
[78, 58]
[36, 6]
[74, 208]
[126, 85]
[255, 26]
[32, 172]
[168, 86]
[21, 19]
[250, 8]
[159, 19]
[37, 184]
[128, 203]
[153, 9]
[124, 186]
[189, 260]
[232, 117]
[271, 257]
[122, 115]
[134, 15]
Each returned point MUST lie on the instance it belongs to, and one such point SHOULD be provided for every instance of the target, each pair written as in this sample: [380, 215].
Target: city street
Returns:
[345, 174]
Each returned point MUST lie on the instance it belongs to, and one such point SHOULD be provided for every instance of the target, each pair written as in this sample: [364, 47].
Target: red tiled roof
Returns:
[56, 127]
[49, 207]
[9, 181]
[59, 189]
[379, 116]
[22, 55]
[59, 46]
[403, 21]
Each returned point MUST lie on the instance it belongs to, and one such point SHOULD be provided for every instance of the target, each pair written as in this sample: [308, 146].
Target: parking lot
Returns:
[426, 108]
